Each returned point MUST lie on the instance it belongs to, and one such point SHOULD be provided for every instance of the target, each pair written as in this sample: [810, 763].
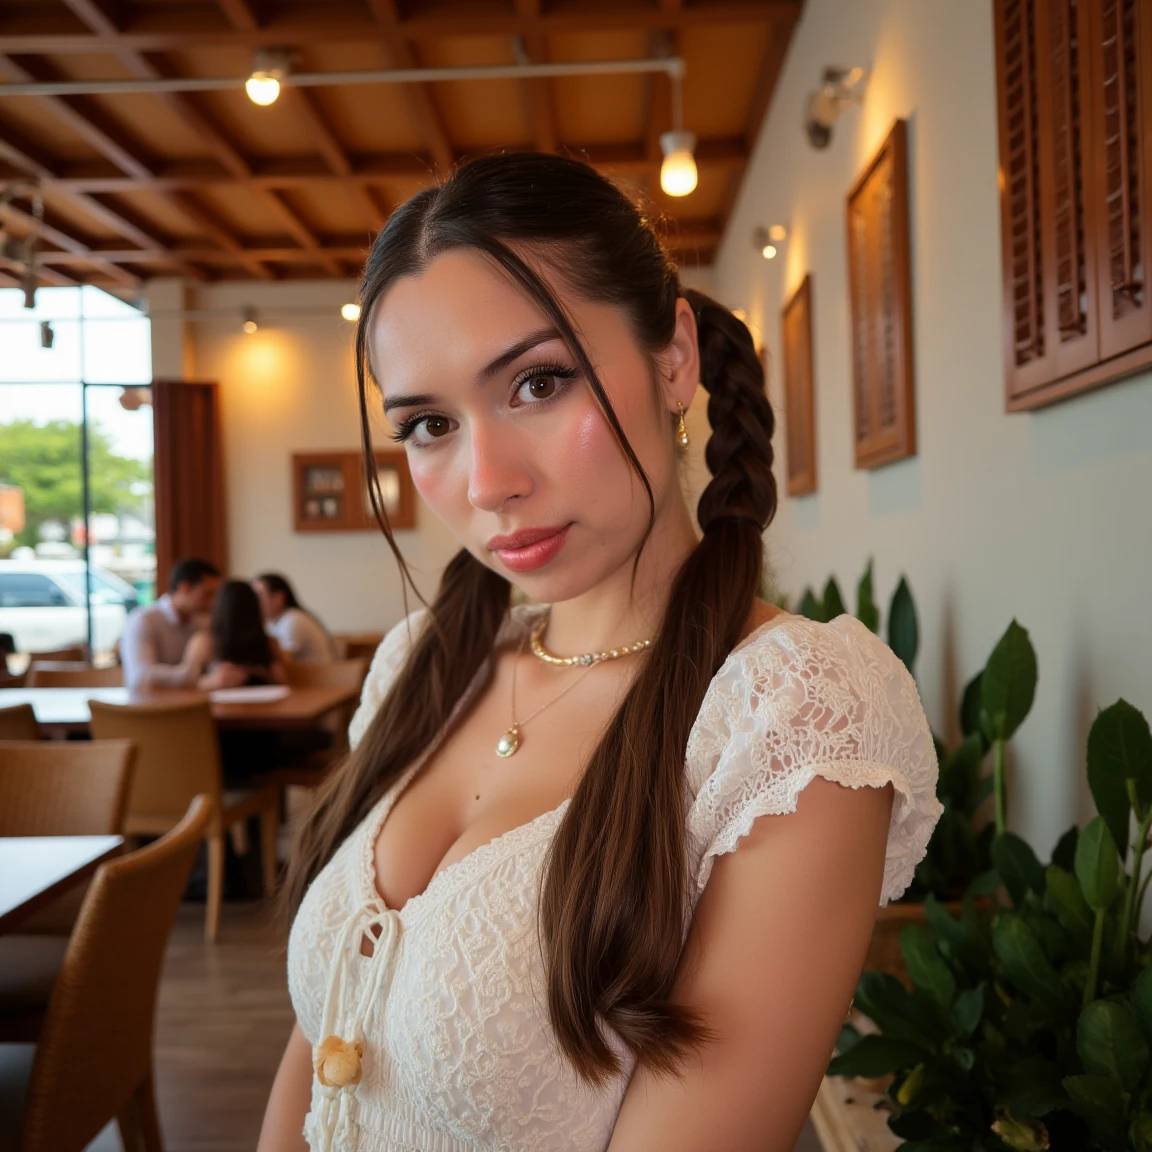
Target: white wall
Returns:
[291, 387]
[1040, 516]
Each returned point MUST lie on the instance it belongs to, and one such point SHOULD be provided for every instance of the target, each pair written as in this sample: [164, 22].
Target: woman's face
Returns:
[505, 439]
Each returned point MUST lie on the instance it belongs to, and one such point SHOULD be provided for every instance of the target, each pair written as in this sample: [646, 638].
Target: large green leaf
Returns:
[960, 775]
[927, 969]
[833, 600]
[1067, 902]
[867, 610]
[1025, 962]
[1031, 1087]
[1142, 1000]
[1008, 685]
[964, 942]
[1095, 1096]
[970, 704]
[1097, 865]
[1064, 854]
[811, 608]
[1018, 866]
[876, 1056]
[1110, 1043]
[967, 1009]
[903, 627]
[1119, 750]
[894, 1010]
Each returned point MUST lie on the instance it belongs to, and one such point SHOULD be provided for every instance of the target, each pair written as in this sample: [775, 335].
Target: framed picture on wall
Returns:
[799, 399]
[330, 492]
[880, 295]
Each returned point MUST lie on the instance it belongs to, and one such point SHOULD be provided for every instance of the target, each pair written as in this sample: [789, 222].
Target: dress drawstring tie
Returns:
[336, 1060]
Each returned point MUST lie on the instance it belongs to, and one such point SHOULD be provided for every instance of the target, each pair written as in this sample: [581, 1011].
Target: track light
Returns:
[838, 88]
[47, 335]
[678, 172]
[269, 67]
[249, 324]
[28, 283]
[350, 312]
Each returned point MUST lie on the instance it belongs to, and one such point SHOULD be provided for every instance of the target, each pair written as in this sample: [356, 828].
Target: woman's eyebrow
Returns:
[508, 356]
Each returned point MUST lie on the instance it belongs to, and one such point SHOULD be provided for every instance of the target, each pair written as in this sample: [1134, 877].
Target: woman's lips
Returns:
[529, 557]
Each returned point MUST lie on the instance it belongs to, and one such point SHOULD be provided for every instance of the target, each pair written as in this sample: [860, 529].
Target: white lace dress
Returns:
[458, 1054]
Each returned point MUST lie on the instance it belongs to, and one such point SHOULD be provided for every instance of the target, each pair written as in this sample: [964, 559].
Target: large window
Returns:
[77, 523]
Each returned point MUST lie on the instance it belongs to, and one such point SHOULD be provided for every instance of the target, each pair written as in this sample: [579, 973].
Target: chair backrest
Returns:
[360, 645]
[329, 674]
[65, 787]
[19, 723]
[73, 674]
[177, 752]
[95, 1046]
[77, 654]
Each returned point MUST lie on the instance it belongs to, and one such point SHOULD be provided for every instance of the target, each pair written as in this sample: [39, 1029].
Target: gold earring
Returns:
[681, 428]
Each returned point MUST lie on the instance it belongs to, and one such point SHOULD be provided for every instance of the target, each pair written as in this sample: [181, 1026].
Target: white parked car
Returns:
[42, 605]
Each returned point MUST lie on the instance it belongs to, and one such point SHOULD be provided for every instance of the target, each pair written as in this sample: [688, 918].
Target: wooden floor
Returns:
[223, 1019]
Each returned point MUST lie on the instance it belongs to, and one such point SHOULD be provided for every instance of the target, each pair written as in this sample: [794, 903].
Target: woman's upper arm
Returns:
[290, 1099]
[773, 957]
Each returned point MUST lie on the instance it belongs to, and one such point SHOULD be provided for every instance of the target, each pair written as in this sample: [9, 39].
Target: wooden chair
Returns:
[311, 769]
[94, 1059]
[19, 723]
[73, 674]
[51, 788]
[357, 646]
[178, 758]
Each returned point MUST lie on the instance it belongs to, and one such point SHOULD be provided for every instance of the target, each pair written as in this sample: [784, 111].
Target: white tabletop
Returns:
[61, 705]
[31, 865]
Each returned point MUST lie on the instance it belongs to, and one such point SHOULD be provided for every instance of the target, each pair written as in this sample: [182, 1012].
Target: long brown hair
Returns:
[614, 896]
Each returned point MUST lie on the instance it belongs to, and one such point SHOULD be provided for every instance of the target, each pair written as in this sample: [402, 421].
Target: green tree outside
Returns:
[44, 460]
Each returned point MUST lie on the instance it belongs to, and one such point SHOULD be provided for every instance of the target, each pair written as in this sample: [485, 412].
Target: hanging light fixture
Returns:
[269, 67]
[249, 324]
[678, 174]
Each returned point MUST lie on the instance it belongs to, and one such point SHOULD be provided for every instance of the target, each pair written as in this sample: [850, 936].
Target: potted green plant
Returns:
[1028, 1024]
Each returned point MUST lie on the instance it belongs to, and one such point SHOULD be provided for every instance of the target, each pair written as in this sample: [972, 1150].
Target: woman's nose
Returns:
[498, 470]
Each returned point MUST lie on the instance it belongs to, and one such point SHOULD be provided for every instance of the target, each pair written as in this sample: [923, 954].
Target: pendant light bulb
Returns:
[678, 174]
[350, 312]
[262, 89]
[249, 324]
[269, 67]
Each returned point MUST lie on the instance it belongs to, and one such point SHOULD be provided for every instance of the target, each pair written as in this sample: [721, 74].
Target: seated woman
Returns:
[242, 653]
[298, 631]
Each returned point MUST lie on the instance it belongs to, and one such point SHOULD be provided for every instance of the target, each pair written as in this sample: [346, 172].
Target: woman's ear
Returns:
[680, 361]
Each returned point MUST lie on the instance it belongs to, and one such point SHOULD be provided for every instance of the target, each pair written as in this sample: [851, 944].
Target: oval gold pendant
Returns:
[508, 743]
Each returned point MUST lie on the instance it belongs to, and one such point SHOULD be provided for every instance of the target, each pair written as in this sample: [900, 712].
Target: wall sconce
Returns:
[839, 88]
[249, 325]
[769, 241]
[47, 335]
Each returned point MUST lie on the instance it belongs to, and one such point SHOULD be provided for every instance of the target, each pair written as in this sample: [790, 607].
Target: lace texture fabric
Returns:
[448, 1002]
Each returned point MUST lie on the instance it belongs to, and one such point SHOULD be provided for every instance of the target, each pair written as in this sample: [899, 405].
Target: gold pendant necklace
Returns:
[509, 743]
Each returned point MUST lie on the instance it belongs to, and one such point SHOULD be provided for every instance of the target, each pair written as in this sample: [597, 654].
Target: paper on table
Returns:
[254, 694]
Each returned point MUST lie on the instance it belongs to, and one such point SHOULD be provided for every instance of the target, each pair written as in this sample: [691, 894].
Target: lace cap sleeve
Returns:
[802, 700]
[389, 658]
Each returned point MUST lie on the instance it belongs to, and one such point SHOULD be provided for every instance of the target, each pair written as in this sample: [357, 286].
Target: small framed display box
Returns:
[331, 492]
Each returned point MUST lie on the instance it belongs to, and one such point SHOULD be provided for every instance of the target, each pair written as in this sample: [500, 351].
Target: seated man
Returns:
[164, 644]
[298, 632]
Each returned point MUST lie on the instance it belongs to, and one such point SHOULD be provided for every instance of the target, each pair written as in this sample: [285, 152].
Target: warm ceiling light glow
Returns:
[262, 89]
[777, 233]
[249, 325]
[350, 312]
[678, 172]
[768, 251]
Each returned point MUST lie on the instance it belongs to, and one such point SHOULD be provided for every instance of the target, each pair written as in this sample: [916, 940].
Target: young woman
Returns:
[240, 652]
[298, 631]
[601, 870]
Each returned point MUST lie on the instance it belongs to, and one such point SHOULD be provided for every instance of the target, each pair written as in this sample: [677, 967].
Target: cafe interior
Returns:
[933, 216]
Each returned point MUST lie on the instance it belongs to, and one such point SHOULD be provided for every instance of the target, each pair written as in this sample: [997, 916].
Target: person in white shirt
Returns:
[165, 644]
[301, 636]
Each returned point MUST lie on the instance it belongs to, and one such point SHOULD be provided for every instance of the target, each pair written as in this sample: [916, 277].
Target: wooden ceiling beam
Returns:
[345, 20]
[239, 14]
[429, 123]
[300, 232]
[218, 234]
[77, 250]
[541, 104]
[94, 15]
[83, 116]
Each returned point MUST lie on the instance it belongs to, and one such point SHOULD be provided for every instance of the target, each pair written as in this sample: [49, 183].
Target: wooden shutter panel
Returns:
[880, 282]
[800, 425]
[1121, 50]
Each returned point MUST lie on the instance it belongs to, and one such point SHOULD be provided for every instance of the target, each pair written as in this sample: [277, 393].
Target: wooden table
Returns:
[65, 710]
[34, 870]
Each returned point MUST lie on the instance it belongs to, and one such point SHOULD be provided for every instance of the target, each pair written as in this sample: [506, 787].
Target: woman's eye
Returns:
[431, 428]
[541, 386]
